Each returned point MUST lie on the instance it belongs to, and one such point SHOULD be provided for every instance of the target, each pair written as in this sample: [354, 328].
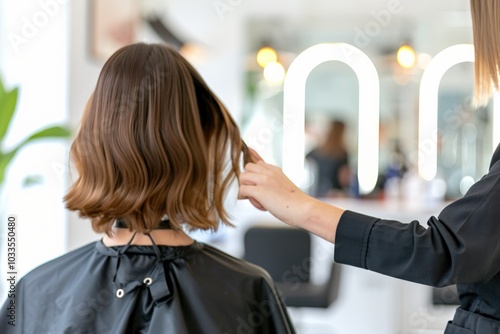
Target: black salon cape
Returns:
[194, 289]
[461, 246]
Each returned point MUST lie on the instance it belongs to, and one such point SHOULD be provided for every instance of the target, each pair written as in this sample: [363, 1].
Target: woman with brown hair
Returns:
[331, 162]
[460, 246]
[155, 154]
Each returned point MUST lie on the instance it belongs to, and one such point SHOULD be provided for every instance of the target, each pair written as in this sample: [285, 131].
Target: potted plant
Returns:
[8, 102]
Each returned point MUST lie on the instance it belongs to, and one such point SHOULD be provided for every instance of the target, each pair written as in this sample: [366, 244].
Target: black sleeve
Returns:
[460, 246]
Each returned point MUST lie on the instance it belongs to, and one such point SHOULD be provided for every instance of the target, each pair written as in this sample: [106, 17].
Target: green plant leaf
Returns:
[50, 132]
[2, 89]
[8, 103]
[5, 159]
[32, 180]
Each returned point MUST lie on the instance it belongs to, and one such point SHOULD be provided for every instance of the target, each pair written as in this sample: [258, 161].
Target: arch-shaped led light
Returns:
[294, 110]
[428, 104]
[496, 119]
[428, 113]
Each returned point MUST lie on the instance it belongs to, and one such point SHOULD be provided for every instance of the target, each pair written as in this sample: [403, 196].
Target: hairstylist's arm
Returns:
[268, 188]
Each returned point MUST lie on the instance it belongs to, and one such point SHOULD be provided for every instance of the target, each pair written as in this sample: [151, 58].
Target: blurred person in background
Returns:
[331, 162]
[460, 246]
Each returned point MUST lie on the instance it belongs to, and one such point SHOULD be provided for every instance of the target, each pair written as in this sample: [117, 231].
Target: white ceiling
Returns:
[430, 25]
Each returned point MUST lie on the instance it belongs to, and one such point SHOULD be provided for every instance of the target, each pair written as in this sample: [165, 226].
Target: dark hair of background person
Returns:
[334, 143]
[154, 141]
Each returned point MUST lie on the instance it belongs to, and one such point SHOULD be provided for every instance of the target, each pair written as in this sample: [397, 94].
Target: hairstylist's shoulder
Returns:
[481, 200]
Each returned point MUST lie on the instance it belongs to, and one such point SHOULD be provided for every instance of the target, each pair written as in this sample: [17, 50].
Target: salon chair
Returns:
[285, 253]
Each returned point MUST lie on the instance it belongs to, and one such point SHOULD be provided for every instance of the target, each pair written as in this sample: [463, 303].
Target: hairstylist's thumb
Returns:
[254, 158]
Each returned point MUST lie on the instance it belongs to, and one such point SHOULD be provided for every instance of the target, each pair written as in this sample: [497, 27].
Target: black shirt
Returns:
[461, 246]
[328, 169]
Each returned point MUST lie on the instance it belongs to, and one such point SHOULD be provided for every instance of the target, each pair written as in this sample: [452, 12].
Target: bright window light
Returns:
[42, 101]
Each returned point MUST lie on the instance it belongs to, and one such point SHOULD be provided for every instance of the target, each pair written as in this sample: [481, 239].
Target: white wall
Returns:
[38, 65]
[83, 74]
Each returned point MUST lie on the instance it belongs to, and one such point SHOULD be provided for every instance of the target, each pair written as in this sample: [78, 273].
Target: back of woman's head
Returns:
[154, 141]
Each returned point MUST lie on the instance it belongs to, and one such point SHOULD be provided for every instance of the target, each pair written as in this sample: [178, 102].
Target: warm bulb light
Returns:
[274, 72]
[406, 56]
[266, 55]
[194, 53]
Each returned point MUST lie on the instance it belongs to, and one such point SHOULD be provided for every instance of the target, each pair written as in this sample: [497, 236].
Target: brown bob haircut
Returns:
[154, 141]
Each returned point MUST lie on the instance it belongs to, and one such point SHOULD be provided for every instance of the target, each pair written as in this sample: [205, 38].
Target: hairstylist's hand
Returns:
[268, 188]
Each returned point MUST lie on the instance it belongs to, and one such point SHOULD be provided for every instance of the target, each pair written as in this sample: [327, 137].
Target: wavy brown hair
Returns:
[486, 27]
[154, 141]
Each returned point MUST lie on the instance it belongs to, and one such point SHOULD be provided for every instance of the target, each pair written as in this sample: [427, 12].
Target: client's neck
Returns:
[122, 236]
